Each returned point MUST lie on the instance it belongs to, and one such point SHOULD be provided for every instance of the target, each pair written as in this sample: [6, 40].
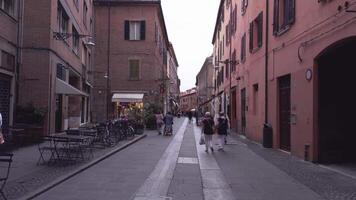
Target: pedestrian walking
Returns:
[190, 116]
[222, 127]
[208, 131]
[168, 124]
[2, 140]
[159, 122]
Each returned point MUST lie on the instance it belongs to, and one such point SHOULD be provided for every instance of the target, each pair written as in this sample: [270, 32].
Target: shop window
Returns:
[256, 32]
[61, 72]
[135, 30]
[283, 16]
[134, 69]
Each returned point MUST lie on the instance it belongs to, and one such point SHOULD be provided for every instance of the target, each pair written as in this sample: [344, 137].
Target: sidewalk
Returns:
[26, 176]
[326, 183]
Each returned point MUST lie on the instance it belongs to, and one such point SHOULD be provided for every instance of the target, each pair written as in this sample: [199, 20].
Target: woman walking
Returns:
[208, 131]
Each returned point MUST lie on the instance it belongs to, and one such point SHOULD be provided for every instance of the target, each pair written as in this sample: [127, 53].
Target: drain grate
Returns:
[187, 160]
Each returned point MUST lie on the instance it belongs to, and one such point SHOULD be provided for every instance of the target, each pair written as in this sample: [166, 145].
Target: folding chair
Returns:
[46, 145]
[5, 164]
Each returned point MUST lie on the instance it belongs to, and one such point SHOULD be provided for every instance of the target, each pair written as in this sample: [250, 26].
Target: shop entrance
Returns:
[337, 103]
[243, 111]
[284, 112]
[5, 87]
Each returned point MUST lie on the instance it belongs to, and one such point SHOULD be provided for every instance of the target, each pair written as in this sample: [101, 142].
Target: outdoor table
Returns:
[69, 147]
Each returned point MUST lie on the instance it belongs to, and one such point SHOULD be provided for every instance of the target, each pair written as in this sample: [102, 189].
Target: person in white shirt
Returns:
[1, 135]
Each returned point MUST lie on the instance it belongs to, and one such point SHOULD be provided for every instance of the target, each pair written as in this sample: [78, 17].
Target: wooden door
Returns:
[243, 111]
[284, 112]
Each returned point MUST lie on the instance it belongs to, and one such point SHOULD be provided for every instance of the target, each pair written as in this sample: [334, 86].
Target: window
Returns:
[61, 72]
[8, 6]
[62, 19]
[255, 99]
[7, 61]
[243, 48]
[233, 66]
[234, 20]
[75, 41]
[135, 30]
[244, 4]
[283, 16]
[85, 12]
[227, 33]
[256, 30]
[134, 69]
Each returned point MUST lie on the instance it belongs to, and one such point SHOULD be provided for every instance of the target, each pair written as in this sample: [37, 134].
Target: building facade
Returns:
[131, 56]
[56, 61]
[205, 86]
[10, 19]
[188, 100]
[174, 82]
[293, 73]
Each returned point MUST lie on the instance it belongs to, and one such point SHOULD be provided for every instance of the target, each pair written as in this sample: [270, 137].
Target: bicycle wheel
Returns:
[130, 133]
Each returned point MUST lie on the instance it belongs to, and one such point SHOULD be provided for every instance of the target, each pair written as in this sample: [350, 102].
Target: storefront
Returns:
[125, 102]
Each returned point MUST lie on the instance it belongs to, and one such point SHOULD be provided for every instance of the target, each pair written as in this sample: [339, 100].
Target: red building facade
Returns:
[292, 72]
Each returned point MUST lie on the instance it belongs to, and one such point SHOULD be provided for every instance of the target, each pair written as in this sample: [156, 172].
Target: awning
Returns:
[127, 97]
[64, 88]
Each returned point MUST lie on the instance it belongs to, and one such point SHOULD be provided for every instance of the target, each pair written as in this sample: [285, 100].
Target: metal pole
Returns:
[108, 65]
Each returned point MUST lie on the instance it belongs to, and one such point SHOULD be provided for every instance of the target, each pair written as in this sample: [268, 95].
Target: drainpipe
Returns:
[108, 65]
[266, 63]
[267, 128]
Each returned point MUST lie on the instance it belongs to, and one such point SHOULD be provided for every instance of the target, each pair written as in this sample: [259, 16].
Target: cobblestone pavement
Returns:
[328, 184]
[26, 176]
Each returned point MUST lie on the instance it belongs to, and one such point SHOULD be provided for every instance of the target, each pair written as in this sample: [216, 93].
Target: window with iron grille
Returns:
[256, 30]
[283, 16]
[85, 13]
[233, 65]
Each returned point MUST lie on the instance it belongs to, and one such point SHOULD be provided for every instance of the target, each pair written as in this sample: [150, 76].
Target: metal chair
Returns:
[5, 163]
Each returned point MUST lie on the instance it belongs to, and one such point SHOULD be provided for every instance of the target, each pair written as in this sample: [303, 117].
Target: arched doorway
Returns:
[337, 102]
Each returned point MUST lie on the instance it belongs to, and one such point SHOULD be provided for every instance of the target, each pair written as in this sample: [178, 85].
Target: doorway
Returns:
[284, 112]
[5, 88]
[243, 111]
[337, 108]
[59, 113]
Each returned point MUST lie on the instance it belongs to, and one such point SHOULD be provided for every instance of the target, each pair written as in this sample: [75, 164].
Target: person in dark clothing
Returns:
[208, 130]
[222, 127]
[168, 124]
[190, 116]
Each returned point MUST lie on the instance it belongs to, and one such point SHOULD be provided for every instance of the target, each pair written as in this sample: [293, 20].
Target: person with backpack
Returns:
[208, 131]
[222, 127]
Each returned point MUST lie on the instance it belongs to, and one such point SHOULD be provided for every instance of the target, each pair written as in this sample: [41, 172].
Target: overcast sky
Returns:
[190, 25]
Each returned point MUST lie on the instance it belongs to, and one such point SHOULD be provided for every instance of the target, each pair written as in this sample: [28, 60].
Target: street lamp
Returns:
[64, 36]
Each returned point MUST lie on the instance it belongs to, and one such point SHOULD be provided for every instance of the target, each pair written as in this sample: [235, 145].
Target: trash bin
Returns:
[267, 136]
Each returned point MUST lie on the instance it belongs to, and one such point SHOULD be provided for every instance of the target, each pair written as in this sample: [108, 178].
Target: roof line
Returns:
[217, 20]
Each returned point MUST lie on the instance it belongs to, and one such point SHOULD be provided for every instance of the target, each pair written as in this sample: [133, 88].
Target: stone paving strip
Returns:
[156, 185]
[38, 182]
[215, 186]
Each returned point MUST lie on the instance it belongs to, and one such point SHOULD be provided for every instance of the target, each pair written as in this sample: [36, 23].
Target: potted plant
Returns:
[136, 116]
[150, 109]
[29, 118]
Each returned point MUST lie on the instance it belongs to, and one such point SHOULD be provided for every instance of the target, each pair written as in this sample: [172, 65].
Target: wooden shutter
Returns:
[291, 10]
[275, 17]
[127, 30]
[260, 29]
[251, 36]
[143, 30]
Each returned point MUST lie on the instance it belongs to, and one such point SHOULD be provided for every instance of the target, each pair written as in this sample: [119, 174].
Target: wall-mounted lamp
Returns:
[64, 36]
